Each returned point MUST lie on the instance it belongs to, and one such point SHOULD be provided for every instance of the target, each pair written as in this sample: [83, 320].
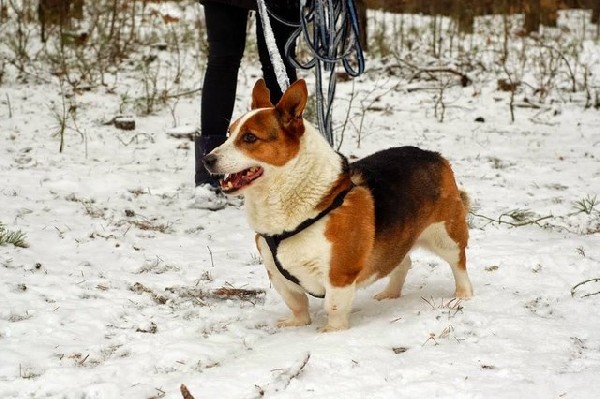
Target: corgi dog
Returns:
[325, 226]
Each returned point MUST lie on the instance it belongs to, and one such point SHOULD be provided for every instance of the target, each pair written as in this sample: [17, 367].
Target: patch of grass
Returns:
[447, 332]
[14, 237]
[255, 260]
[27, 373]
[157, 266]
[152, 225]
[140, 289]
[453, 305]
[17, 317]
[88, 203]
[587, 205]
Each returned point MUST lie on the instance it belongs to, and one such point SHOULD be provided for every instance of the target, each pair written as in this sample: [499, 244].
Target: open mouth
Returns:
[236, 181]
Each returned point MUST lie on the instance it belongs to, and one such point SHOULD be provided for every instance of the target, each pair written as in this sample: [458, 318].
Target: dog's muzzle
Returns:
[210, 161]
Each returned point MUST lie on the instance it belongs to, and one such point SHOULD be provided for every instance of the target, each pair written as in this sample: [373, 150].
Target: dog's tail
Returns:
[466, 200]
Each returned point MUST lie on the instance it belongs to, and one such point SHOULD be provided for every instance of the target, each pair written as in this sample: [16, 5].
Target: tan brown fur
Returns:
[342, 183]
[272, 145]
[352, 240]
[390, 249]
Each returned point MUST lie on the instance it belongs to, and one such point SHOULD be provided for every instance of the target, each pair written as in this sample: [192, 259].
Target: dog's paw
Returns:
[386, 295]
[293, 322]
[329, 328]
[464, 293]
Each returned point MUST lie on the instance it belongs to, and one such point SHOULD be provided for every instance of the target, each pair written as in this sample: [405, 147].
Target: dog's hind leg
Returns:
[456, 238]
[448, 241]
[396, 281]
[457, 261]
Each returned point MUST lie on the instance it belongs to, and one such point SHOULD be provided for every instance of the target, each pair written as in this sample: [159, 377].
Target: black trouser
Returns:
[226, 32]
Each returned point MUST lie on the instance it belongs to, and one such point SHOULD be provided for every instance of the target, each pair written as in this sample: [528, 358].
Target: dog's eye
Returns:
[249, 138]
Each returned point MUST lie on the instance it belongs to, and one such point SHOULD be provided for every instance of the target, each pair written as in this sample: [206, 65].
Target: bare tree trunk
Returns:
[77, 9]
[532, 15]
[3, 10]
[549, 12]
[464, 10]
[53, 12]
[596, 12]
[361, 9]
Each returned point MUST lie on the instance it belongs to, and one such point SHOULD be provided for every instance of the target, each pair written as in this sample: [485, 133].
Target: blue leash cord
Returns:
[331, 30]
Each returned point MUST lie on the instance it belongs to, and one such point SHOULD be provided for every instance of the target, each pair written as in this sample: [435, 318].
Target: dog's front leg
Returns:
[294, 296]
[338, 305]
[298, 304]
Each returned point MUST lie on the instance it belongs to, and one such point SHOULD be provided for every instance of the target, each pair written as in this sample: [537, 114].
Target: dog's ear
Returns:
[292, 103]
[261, 97]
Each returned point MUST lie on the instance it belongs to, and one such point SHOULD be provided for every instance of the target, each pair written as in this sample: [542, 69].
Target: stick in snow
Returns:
[283, 379]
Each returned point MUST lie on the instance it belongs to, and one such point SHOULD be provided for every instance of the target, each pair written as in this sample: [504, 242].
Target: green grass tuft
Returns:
[16, 237]
[587, 205]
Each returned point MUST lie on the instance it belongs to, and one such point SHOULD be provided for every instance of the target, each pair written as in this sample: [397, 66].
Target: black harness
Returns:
[274, 240]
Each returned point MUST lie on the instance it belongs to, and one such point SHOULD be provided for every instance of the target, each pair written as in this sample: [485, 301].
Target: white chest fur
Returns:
[288, 195]
[304, 256]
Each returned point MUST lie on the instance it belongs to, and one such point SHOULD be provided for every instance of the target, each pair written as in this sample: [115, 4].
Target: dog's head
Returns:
[264, 139]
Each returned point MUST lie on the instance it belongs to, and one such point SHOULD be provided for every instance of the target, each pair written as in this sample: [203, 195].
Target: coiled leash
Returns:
[331, 31]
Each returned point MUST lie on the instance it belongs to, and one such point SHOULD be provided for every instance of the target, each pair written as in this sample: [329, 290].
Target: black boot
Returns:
[203, 145]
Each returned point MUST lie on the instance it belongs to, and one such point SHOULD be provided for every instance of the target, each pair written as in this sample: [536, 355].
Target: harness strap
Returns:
[273, 241]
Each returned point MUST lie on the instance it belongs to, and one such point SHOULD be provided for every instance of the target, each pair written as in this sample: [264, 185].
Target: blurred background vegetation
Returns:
[151, 52]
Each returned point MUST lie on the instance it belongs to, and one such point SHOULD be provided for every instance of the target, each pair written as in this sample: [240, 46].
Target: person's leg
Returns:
[282, 32]
[226, 34]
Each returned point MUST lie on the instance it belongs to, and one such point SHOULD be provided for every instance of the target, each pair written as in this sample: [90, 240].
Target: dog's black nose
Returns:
[209, 160]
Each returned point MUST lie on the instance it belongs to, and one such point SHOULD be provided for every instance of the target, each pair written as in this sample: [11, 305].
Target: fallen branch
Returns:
[464, 79]
[417, 71]
[592, 280]
[242, 294]
[519, 218]
[183, 93]
[140, 288]
[135, 138]
[284, 378]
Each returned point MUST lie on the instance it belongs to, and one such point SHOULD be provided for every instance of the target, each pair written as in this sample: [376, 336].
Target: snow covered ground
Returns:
[126, 290]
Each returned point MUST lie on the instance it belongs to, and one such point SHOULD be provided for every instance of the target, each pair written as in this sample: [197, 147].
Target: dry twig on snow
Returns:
[283, 379]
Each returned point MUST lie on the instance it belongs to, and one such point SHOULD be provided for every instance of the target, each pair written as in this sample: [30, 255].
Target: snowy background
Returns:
[127, 290]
